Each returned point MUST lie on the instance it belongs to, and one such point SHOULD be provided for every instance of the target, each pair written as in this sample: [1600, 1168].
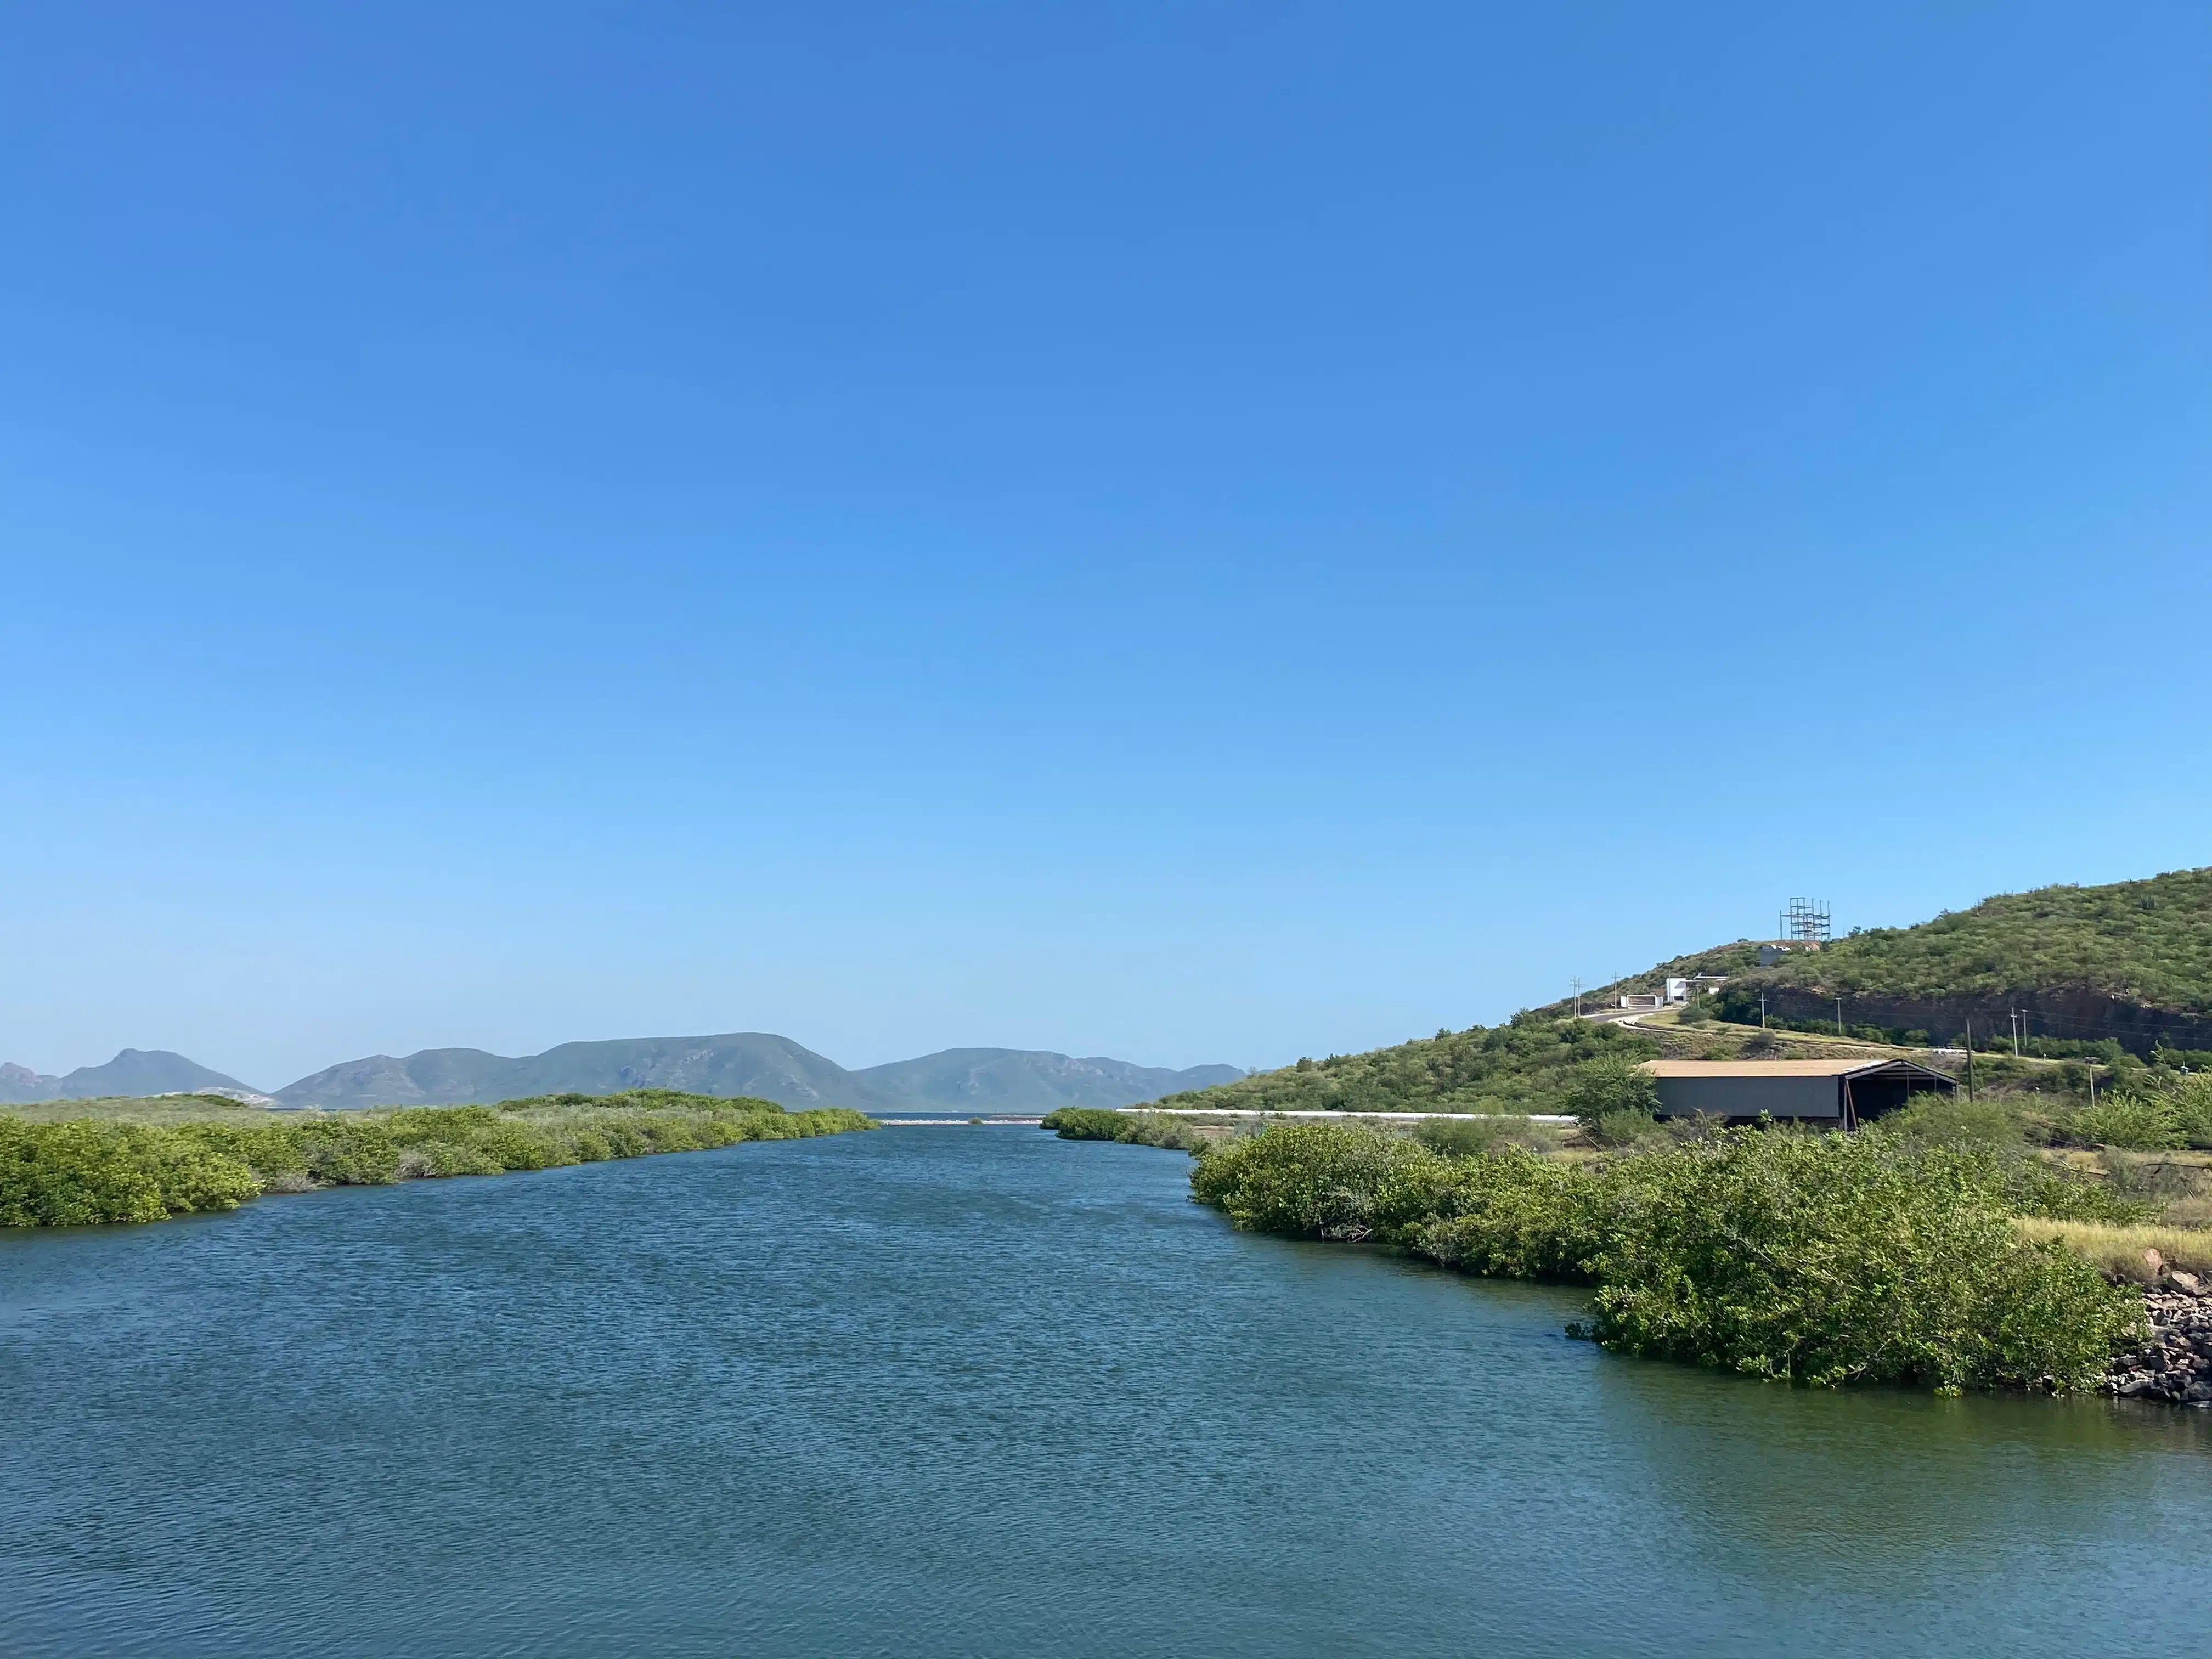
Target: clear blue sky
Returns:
[1195, 532]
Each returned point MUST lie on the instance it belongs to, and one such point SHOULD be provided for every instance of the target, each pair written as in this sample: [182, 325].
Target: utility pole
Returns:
[1970, 1056]
[1839, 1017]
[1578, 998]
[2015, 1033]
[1762, 1011]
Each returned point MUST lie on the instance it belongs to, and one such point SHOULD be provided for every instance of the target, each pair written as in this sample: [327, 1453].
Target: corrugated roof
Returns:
[1771, 1067]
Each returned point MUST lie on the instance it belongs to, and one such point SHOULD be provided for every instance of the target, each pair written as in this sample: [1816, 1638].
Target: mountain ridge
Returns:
[990, 1078]
[133, 1072]
[727, 1065]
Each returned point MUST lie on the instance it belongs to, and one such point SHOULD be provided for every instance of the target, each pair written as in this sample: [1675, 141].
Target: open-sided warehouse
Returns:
[1842, 1093]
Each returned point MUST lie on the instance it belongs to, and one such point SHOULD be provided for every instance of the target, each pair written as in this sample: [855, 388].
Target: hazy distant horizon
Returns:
[268, 1086]
[1199, 535]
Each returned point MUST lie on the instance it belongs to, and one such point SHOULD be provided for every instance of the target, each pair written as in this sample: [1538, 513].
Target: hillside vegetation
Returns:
[1525, 1066]
[2148, 942]
[2087, 970]
[113, 1168]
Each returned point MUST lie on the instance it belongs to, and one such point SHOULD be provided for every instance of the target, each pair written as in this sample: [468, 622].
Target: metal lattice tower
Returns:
[1806, 921]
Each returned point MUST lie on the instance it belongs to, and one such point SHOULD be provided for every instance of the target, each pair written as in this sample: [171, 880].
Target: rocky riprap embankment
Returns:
[2176, 1364]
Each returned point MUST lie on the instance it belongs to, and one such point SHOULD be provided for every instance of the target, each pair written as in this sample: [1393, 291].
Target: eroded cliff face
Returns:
[2080, 1016]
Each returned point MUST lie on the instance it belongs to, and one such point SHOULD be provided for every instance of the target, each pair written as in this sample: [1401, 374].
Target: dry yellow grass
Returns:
[2119, 1250]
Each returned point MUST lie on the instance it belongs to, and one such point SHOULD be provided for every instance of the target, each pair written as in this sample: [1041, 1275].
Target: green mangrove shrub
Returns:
[1324, 1180]
[1517, 1216]
[1130, 1128]
[74, 1174]
[1832, 1258]
[80, 1172]
[1820, 1259]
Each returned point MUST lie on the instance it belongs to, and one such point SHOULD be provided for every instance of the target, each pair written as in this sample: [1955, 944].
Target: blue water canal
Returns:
[952, 1391]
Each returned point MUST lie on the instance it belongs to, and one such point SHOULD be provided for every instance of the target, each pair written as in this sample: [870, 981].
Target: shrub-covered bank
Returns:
[1819, 1259]
[1133, 1128]
[71, 1174]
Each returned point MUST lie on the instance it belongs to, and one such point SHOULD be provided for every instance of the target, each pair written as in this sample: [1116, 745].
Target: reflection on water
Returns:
[1953, 1521]
[929, 1393]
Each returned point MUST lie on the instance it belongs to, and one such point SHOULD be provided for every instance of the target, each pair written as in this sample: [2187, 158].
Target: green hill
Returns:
[133, 1071]
[1520, 1067]
[2089, 970]
[755, 1064]
[2129, 964]
[1022, 1079]
[746, 1063]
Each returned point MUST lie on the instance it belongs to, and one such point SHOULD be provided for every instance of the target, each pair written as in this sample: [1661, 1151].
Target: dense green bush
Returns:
[67, 1174]
[1464, 1136]
[72, 1173]
[1517, 1216]
[1938, 1119]
[1130, 1128]
[1614, 1098]
[2148, 941]
[1823, 1259]
[1830, 1259]
[2150, 1110]
[1321, 1180]
[2189, 1098]
[1086, 1123]
[2028, 1186]
[2160, 1109]
[2146, 1123]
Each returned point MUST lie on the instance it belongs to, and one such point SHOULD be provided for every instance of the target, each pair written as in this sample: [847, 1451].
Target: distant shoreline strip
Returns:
[950, 1122]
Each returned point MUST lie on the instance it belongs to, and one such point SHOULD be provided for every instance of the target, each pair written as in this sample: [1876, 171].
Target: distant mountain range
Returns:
[133, 1071]
[756, 1063]
[1013, 1080]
